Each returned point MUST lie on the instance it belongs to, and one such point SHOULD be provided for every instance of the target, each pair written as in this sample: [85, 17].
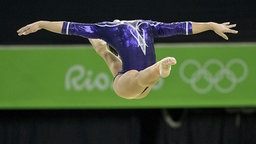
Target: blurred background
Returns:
[165, 124]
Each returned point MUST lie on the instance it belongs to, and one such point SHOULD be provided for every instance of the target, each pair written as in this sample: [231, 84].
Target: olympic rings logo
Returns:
[213, 79]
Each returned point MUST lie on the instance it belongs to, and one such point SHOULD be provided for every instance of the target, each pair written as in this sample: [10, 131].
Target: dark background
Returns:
[15, 14]
[126, 126]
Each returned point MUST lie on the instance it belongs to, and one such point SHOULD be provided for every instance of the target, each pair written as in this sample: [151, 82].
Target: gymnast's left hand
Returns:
[30, 28]
[223, 28]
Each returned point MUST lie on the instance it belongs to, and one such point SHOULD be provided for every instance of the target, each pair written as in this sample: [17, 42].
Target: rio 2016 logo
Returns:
[234, 71]
[79, 78]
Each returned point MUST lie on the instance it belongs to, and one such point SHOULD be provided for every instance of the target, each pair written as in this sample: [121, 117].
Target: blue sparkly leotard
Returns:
[133, 40]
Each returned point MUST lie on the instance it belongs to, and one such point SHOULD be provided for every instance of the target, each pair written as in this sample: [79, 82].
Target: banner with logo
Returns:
[206, 75]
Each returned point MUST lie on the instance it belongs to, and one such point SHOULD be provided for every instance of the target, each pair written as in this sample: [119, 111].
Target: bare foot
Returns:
[165, 66]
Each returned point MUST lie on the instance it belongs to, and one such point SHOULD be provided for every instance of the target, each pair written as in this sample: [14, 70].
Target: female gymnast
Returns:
[135, 70]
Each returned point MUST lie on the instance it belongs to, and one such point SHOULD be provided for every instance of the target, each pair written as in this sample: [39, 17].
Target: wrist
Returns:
[211, 25]
[41, 24]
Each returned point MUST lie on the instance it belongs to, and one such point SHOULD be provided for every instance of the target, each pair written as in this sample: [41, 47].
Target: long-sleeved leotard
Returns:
[133, 40]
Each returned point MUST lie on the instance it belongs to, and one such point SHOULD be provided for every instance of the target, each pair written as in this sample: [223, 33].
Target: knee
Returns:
[102, 50]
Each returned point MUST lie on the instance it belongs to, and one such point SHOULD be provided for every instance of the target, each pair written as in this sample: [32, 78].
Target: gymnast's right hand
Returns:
[30, 28]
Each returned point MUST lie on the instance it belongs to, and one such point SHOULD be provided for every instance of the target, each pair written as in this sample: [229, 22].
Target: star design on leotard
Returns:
[135, 32]
[140, 38]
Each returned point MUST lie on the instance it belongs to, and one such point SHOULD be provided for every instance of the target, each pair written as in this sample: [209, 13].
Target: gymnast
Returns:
[134, 69]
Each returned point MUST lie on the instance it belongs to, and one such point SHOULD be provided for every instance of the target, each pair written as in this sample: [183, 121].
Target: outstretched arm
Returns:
[219, 29]
[61, 27]
[55, 27]
[188, 28]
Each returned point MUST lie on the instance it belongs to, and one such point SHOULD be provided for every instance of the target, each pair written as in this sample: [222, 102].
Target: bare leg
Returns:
[113, 62]
[151, 74]
[137, 84]
[132, 84]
